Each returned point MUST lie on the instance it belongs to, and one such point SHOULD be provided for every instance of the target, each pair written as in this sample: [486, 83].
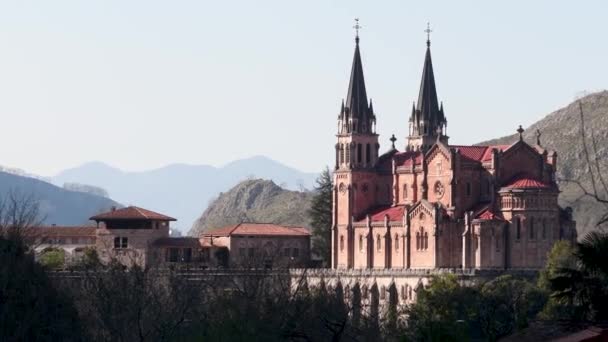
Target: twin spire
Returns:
[357, 114]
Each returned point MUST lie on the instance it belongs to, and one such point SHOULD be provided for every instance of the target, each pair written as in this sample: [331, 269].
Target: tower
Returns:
[356, 157]
[427, 122]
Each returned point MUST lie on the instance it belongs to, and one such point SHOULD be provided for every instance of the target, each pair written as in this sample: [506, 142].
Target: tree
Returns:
[321, 217]
[53, 258]
[584, 288]
[31, 308]
[507, 304]
[441, 311]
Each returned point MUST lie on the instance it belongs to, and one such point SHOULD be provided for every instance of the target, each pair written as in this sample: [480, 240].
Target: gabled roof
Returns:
[131, 213]
[478, 153]
[377, 214]
[260, 229]
[405, 158]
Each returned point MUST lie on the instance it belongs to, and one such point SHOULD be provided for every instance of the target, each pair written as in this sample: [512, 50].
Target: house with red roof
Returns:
[134, 235]
[262, 244]
[435, 204]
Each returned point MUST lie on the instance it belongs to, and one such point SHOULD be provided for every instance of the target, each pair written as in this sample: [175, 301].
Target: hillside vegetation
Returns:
[255, 201]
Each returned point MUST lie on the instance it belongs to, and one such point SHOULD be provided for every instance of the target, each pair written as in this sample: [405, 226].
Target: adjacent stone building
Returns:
[262, 244]
[134, 235]
[435, 204]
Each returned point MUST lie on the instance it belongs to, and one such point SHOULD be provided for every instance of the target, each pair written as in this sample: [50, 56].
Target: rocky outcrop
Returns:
[255, 201]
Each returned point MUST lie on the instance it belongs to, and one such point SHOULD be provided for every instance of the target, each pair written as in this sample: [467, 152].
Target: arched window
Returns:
[417, 241]
[360, 243]
[341, 242]
[347, 153]
[364, 292]
[378, 242]
[404, 191]
[397, 242]
[368, 153]
[426, 241]
[517, 228]
[404, 292]
[359, 157]
[532, 228]
[341, 153]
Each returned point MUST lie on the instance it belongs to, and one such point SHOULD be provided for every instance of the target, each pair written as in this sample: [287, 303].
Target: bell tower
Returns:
[427, 122]
[356, 157]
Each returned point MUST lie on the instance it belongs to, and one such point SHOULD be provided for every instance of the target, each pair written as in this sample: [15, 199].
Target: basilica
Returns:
[432, 204]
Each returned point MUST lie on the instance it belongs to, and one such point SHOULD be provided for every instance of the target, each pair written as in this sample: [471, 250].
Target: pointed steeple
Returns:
[427, 116]
[428, 104]
[358, 114]
[356, 97]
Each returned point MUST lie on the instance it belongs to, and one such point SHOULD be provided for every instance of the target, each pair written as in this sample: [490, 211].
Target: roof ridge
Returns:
[138, 209]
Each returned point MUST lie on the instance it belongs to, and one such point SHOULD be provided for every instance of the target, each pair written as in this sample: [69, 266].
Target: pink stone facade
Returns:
[437, 205]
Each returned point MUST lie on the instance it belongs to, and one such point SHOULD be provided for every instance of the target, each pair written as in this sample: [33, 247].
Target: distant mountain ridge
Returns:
[255, 200]
[57, 205]
[561, 132]
[181, 190]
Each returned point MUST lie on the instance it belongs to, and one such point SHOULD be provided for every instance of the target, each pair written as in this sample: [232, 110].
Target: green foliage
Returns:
[580, 288]
[507, 304]
[441, 311]
[31, 309]
[53, 258]
[321, 217]
[445, 310]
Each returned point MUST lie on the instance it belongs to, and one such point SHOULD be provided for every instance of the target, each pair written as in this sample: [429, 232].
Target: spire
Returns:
[428, 106]
[356, 97]
[357, 105]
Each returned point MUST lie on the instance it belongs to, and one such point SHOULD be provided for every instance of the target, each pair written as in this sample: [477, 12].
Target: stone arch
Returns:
[531, 228]
[396, 243]
[393, 300]
[356, 305]
[374, 306]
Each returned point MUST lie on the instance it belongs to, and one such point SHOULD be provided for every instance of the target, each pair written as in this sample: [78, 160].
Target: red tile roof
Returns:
[479, 153]
[488, 214]
[377, 214]
[55, 231]
[131, 213]
[526, 182]
[405, 158]
[262, 229]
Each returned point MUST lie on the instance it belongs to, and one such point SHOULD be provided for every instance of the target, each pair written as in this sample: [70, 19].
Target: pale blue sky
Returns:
[141, 84]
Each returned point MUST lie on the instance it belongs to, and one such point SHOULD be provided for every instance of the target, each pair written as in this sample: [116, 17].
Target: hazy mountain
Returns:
[58, 206]
[561, 131]
[180, 190]
[255, 201]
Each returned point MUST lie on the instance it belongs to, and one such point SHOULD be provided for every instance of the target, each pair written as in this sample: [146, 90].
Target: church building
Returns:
[434, 204]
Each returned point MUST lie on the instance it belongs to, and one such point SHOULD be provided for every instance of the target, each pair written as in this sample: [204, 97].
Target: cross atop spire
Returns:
[357, 27]
[428, 34]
